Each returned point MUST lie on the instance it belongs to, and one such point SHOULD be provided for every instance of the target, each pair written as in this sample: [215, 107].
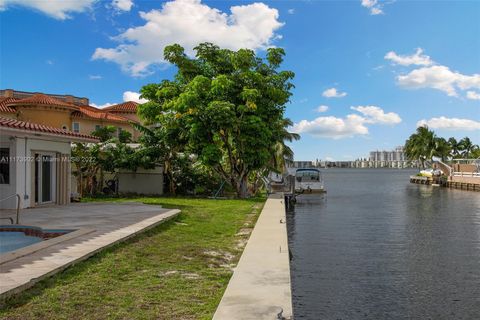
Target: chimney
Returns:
[84, 101]
[69, 98]
[8, 93]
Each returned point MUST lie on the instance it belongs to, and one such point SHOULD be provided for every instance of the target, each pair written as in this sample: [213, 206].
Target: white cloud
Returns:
[101, 106]
[291, 11]
[450, 124]
[373, 5]
[375, 114]
[188, 23]
[473, 95]
[369, 3]
[333, 93]
[333, 127]
[122, 5]
[440, 78]
[133, 96]
[95, 77]
[418, 58]
[59, 9]
[435, 76]
[127, 96]
[376, 10]
[321, 108]
[350, 126]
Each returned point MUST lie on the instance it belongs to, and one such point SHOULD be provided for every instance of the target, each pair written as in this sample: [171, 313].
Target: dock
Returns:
[260, 287]
[421, 180]
[458, 180]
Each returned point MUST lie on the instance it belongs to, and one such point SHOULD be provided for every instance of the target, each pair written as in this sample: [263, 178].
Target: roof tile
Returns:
[42, 99]
[3, 105]
[125, 107]
[30, 126]
[94, 113]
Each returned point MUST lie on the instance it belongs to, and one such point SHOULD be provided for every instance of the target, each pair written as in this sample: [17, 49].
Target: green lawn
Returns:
[178, 270]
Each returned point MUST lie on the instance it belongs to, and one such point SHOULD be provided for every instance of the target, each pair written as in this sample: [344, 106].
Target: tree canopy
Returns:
[425, 144]
[225, 107]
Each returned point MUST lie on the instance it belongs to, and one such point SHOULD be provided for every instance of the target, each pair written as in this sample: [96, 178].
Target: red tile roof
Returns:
[29, 126]
[126, 107]
[42, 99]
[94, 113]
[3, 105]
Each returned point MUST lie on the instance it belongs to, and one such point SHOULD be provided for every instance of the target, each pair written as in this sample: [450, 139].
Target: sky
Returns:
[367, 72]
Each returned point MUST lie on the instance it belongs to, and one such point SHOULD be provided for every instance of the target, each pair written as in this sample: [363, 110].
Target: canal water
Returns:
[378, 247]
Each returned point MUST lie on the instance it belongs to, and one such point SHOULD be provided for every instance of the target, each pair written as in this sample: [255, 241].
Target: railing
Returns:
[467, 174]
[446, 169]
[466, 161]
[18, 207]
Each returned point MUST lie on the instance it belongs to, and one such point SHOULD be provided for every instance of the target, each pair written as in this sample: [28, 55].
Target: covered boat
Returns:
[308, 180]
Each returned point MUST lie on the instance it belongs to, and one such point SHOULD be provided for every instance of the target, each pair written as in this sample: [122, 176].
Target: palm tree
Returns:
[476, 153]
[421, 145]
[281, 153]
[455, 147]
[467, 147]
[443, 149]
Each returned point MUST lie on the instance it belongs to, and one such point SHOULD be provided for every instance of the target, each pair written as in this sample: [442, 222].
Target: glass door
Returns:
[47, 179]
[44, 178]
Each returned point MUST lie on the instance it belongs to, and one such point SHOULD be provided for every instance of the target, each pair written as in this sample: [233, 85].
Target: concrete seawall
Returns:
[260, 287]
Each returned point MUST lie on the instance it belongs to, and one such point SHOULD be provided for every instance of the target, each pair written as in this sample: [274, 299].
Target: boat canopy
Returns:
[308, 175]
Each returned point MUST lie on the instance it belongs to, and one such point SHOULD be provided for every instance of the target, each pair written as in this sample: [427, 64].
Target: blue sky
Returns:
[393, 65]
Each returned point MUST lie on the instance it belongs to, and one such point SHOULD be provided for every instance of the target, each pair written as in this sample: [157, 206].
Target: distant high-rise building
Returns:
[394, 155]
[301, 164]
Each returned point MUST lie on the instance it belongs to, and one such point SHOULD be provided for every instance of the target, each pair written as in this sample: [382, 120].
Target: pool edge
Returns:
[13, 255]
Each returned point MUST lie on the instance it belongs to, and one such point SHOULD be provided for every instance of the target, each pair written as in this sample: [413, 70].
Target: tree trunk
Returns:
[172, 185]
[100, 184]
[242, 187]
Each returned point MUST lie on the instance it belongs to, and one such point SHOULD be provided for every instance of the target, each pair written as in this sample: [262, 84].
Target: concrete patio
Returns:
[98, 226]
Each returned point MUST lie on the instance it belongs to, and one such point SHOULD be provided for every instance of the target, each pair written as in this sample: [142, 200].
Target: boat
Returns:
[308, 181]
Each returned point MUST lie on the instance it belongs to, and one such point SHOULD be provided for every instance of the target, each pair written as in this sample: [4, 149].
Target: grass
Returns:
[178, 270]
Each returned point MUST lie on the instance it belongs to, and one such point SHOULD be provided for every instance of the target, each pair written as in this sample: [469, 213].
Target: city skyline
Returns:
[395, 154]
[367, 73]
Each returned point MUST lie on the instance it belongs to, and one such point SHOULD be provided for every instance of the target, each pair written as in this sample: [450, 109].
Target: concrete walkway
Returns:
[260, 286]
[99, 225]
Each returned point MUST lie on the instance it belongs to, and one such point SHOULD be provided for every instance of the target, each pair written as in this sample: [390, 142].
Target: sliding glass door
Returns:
[44, 178]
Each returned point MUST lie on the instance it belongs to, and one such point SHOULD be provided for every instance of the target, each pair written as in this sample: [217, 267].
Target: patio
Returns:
[98, 225]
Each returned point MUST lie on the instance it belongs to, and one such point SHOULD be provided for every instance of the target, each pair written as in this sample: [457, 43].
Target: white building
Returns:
[392, 155]
[35, 163]
[301, 164]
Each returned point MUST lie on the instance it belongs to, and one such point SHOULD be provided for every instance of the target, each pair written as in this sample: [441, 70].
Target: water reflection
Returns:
[378, 247]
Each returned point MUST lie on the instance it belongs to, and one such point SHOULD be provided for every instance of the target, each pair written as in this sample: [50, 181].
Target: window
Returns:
[119, 132]
[97, 127]
[4, 165]
[76, 127]
[64, 127]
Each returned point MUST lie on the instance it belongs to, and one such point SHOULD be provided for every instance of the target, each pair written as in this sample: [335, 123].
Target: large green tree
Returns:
[226, 107]
[467, 147]
[424, 144]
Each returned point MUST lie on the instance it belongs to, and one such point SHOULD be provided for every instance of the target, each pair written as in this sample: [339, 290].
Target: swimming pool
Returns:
[14, 237]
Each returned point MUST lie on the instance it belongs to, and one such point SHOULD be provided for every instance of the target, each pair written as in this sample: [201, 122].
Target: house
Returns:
[70, 115]
[67, 112]
[127, 110]
[35, 160]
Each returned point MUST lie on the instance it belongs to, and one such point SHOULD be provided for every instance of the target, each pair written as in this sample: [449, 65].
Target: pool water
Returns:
[11, 240]
[14, 237]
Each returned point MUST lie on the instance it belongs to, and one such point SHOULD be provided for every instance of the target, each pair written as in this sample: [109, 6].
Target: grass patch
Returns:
[178, 270]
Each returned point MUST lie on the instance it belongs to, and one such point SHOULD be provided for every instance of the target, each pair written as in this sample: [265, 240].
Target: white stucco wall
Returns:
[8, 189]
[149, 182]
[24, 149]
